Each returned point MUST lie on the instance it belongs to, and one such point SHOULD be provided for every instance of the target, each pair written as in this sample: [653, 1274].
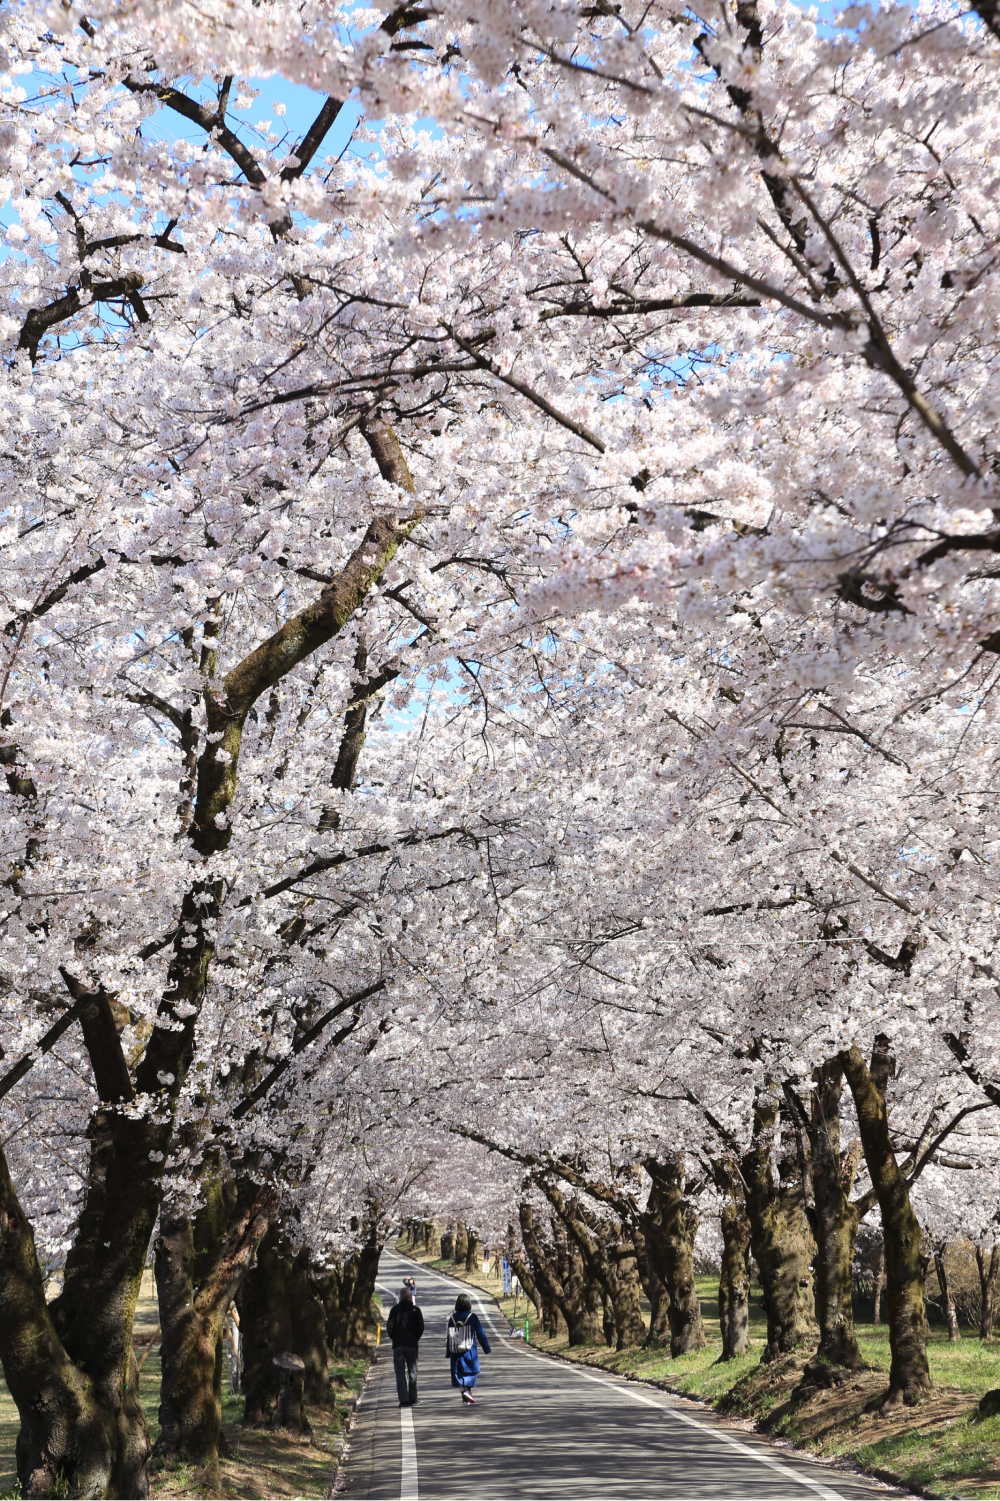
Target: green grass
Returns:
[9, 1425]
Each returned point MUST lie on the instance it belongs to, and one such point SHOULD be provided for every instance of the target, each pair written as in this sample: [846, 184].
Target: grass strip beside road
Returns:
[942, 1448]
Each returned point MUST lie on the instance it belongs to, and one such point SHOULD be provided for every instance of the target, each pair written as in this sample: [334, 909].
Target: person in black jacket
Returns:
[404, 1327]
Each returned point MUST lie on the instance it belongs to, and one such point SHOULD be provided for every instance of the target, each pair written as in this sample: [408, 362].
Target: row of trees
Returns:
[497, 674]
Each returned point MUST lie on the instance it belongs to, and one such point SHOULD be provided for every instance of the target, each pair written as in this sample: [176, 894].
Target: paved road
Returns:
[544, 1430]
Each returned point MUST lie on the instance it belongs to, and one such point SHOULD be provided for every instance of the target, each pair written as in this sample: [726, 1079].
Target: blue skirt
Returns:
[465, 1368]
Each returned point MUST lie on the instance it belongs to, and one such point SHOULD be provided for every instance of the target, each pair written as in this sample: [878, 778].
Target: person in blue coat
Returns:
[465, 1366]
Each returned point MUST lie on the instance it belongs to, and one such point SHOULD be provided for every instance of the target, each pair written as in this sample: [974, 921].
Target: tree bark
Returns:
[835, 1221]
[780, 1237]
[432, 1239]
[656, 1292]
[734, 1279]
[473, 1253]
[670, 1223]
[352, 1338]
[909, 1374]
[199, 1265]
[266, 1326]
[611, 1266]
[987, 1288]
[461, 1244]
[309, 1330]
[560, 1287]
[80, 1433]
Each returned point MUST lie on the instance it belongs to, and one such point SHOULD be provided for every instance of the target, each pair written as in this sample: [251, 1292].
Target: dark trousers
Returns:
[404, 1363]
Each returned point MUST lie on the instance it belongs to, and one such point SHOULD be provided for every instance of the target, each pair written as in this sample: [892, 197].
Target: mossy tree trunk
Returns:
[656, 1293]
[266, 1325]
[734, 1279]
[670, 1223]
[909, 1374]
[199, 1265]
[780, 1237]
[833, 1218]
[610, 1263]
[561, 1287]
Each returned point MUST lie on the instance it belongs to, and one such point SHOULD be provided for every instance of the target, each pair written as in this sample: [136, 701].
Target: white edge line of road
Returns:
[626, 1389]
[408, 1477]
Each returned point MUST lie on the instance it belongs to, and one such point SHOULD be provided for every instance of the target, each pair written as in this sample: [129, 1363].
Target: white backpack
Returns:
[460, 1337]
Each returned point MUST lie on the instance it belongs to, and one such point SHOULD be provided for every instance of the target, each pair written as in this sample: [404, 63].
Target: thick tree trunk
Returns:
[432, 1240]
[461, 1244]
[987, 1288]
[656, 1292]
[670, 1224]
[309, 1330]
[630, 1328]
[190, 1408]
[362, 1293]
[74, 1385]
[81, 1434]
[835, 1222]
[473, 1253]
[781, 1240]
[734, 1279]
[909, 1374]
[561, 1287]
[266, 1325]
[612, 1266]
[448, 1245]
[199, 1265]
[950, 1313]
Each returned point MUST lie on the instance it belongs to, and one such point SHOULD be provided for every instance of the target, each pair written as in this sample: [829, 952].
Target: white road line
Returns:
[408, 1478]
[626, 1390]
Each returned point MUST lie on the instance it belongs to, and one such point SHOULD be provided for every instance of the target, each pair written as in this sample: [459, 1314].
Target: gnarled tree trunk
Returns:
[782, 1242]
[561, 1286]
[266, 1326]
[909, 1374]
[670, 1223]
[734, 1279]
[199, 1265]
[835, 1221]
[659, 1298]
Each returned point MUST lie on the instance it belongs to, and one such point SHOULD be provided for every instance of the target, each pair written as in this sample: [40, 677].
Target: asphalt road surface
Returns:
[544, 1430]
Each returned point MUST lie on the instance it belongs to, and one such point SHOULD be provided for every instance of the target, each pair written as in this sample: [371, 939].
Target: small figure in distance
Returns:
[409, 1282]
[464, 1333]
[404, 1327]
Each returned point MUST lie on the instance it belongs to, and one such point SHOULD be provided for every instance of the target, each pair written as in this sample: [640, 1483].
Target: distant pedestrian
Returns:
[409, 1282]
[404, 1327]
[464, 1331]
